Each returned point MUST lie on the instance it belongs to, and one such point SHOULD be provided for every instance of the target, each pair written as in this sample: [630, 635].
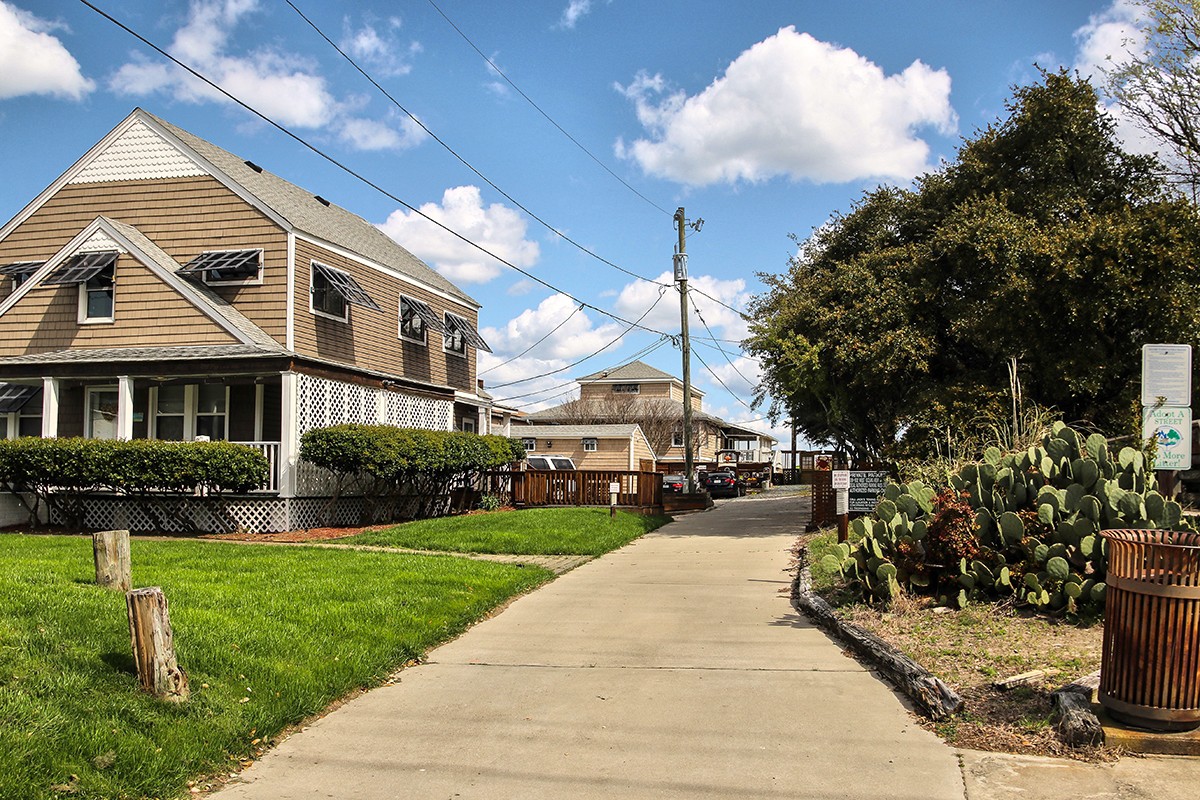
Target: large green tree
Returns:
[1042, 244]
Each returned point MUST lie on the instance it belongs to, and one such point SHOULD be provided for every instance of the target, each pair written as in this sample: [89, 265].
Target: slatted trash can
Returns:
[1150, 669]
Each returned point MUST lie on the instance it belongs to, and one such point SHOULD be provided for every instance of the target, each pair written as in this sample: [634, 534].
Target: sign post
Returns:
[841, 490]
[1167, 409]
[614, 489]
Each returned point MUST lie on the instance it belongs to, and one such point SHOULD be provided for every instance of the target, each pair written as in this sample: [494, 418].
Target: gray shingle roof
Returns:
[634, 371]
[616, 431]
[117, 354]
[304, 212]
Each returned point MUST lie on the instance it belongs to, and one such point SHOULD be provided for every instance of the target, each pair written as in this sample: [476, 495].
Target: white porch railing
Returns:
[271, 451]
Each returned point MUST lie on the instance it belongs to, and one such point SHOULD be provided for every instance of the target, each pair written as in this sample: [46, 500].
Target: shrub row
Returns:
[411, 471]
[59, 472]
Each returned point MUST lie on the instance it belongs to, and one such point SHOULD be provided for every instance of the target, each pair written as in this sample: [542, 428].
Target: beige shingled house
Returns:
[165, 288]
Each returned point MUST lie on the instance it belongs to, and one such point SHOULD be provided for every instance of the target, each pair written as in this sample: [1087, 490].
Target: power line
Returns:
[645, 351]
[700, 314]
[556, 231]
[645, 314]
[535, 344]
[723, 386]
[300, 140]
[550, 119]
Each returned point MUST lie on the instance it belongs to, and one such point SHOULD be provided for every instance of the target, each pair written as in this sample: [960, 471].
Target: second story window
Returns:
[226, 266]
[677, 439]
[529, 444]
[333, 290]
[19, 271]
[459, 333]
[94, 273]
[590, 445]
[416, 319]
[626, 388]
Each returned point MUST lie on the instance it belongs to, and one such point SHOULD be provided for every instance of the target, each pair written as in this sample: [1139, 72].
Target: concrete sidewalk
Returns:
[673, 668]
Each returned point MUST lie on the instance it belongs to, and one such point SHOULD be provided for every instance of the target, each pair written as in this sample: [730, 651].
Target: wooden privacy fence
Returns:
[581, 487]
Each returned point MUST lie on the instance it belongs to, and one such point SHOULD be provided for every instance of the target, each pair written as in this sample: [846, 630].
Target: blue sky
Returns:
[761, 118]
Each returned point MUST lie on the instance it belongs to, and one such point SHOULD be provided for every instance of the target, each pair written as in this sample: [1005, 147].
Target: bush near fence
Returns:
[413, 473]
[61, 473]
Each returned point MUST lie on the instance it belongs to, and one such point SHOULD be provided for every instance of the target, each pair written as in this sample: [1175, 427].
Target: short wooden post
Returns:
[154, 645]
[111, 551]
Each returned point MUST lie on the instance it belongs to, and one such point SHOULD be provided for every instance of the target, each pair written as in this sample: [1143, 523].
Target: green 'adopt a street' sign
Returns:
[1172, 432]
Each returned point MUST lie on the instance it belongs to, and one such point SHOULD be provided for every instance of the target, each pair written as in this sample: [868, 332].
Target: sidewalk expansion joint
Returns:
[666, 668]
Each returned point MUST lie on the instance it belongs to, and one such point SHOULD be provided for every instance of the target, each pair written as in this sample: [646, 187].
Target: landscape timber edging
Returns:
[932, 697]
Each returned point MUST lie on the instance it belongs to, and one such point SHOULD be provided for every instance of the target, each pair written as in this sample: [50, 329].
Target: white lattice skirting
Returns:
[323, 402]
[212, 515]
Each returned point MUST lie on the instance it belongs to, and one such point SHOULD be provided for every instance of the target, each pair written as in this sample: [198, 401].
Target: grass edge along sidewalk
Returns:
[530, 531]
[269, 637]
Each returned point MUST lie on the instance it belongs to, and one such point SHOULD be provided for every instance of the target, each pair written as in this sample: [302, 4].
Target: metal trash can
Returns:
[1150, 671]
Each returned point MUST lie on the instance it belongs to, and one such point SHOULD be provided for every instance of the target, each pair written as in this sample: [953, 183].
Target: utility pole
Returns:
[681, 277]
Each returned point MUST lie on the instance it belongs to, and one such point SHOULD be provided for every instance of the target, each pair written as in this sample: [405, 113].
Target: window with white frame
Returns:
[96, 297]
[529, 444]
[627, 388]
[29, 417]
[100, 421]
[468, 425]
[412, 324]
[183, 412]
[677, 439]
[590, 445]
[326, 299]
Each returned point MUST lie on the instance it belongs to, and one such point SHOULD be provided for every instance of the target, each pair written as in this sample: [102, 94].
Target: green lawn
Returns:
[532, 531]
[267, 635]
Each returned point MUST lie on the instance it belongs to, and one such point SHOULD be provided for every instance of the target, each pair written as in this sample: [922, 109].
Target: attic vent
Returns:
[254, 166]
[320, 199]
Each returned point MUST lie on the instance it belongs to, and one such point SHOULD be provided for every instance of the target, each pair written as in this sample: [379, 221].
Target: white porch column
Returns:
[259, 397]
[381, 405]
[485, 419]
[124, 407]
[289, 434]
[50, 387]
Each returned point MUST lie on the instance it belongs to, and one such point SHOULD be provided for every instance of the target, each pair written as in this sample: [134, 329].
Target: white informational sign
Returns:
[1172, 432]
[614, 488]
[1167, 375]
[842, 502]
[841, 479]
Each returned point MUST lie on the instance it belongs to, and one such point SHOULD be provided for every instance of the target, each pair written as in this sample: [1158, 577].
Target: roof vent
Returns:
[254, 166]
[320, 199]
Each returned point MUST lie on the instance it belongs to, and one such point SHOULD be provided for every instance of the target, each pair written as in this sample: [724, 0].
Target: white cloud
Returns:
[381, 51]
[574, 10]
[281, 85]
[1109, 39]
[725, 323]
[34, 62]
[370, 134]
[791, 105]
[740, 373]
[496, 227]
[574, 334]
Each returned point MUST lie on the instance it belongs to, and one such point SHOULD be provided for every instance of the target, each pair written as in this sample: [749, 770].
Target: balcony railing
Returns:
[271, 451]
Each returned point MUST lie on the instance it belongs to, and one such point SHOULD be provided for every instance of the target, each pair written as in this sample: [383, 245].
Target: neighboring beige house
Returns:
[615, 447]
[639, 393]
[165, 288]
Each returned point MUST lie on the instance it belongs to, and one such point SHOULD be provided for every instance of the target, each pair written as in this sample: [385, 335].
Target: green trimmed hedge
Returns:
[408, 467]
[60, 472]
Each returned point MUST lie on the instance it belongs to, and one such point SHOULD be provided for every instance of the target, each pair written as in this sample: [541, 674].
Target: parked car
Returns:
[724, 483]
[672, 484]
[550, 463]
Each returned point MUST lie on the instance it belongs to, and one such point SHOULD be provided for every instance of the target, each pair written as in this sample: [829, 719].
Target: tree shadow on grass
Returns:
[121, 662]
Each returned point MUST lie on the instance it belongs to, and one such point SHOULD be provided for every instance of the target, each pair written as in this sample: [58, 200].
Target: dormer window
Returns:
[94, 274]
[626, 388]
[226, 266]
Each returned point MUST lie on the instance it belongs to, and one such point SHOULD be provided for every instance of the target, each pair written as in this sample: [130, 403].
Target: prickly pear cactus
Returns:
[1023, 524]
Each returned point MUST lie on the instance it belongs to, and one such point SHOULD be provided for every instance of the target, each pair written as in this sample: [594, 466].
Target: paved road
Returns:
[673, 668]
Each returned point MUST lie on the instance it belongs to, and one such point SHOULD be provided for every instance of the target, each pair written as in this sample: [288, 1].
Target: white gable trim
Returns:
[391, 273]
[103, 227]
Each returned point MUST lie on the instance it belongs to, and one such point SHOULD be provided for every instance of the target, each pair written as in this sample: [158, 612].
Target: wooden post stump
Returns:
[154, 645]
[111, 550]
